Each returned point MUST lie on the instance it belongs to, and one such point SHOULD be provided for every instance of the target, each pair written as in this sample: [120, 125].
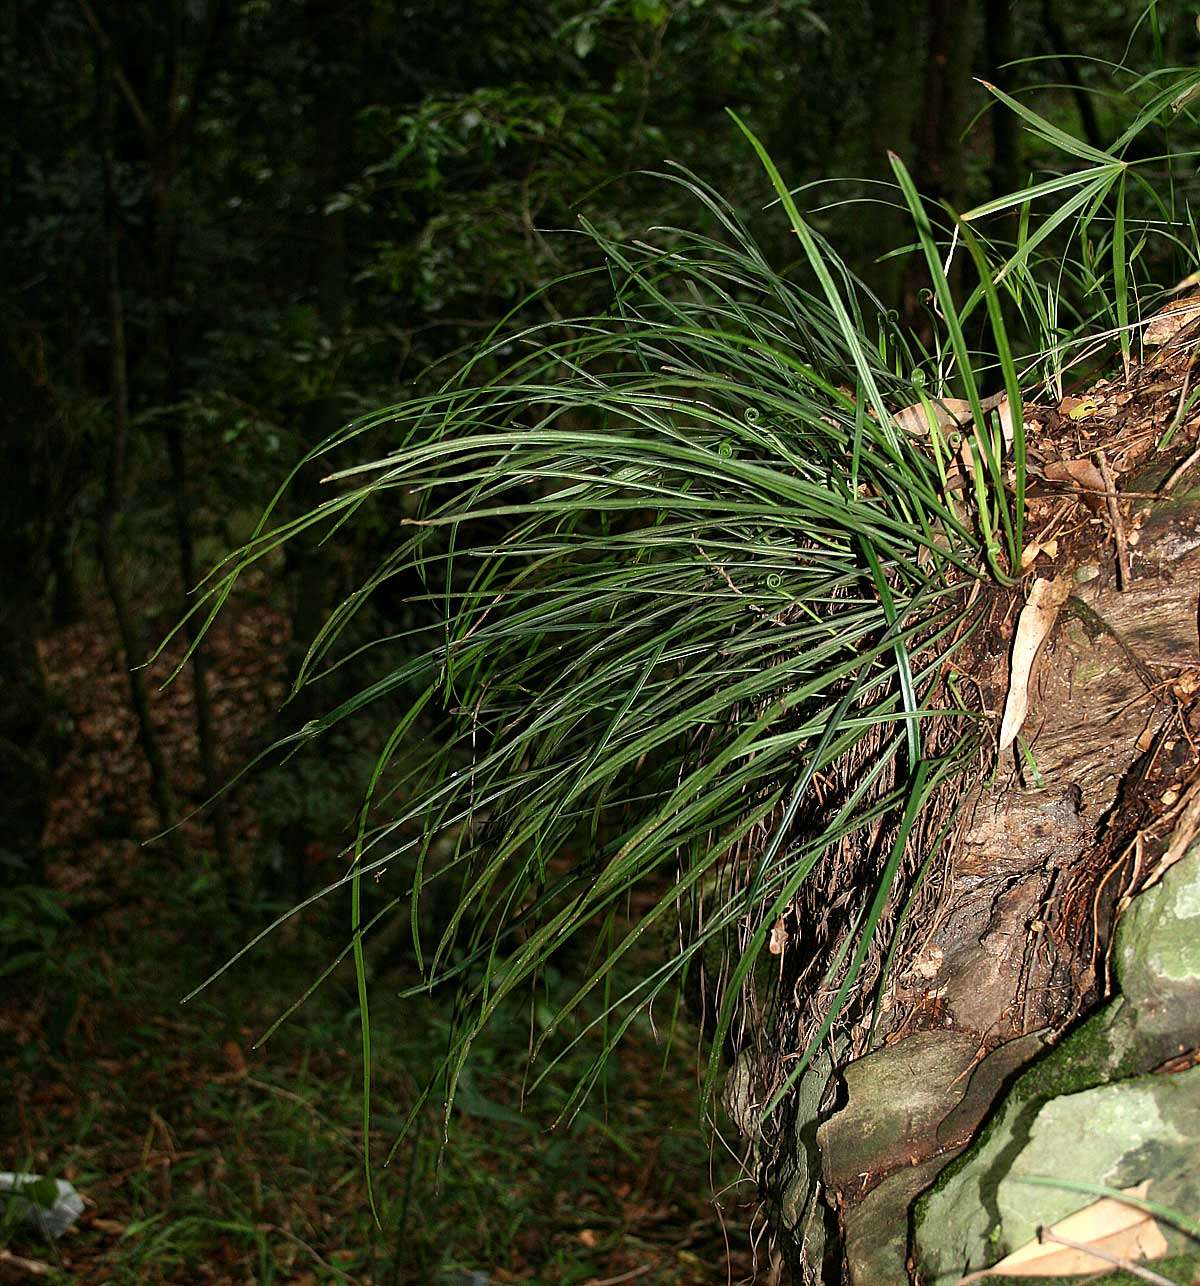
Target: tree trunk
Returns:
[309, 570]
[204, 724]
[938, 169]
[1057, 40]
[111, 504]
[897, 40]
[1006, 947]
[1005, 172]
[165, 165]
[939, 155]
[26, 722]
[67, 606]
[1005, 169]
[166, 153]
[165, 129]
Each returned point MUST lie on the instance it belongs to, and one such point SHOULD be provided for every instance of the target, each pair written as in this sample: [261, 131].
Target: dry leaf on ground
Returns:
[1037, 620]
[1122, 1231]
[1169, 320]
[1083, 474]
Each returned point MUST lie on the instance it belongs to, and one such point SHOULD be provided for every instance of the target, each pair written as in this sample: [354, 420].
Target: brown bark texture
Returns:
[1007, 945]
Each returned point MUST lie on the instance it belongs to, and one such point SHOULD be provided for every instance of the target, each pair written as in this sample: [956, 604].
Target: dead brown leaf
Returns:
[777, 944]
[1169, 320]
[1035, 623]
[1121, 1231]
[947, 412]
[1031, 551]
[1082, 474]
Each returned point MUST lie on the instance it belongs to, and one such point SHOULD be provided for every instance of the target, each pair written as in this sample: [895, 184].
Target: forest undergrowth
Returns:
[203, 1159]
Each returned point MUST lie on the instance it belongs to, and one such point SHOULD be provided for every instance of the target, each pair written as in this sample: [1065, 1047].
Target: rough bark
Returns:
[1012, 936]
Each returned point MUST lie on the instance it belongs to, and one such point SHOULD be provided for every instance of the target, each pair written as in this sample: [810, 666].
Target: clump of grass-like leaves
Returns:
[697, 601]
[685, 565]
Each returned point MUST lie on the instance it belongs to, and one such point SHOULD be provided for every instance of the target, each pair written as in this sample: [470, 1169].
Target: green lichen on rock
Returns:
[1119, 1135]
[1158, 944]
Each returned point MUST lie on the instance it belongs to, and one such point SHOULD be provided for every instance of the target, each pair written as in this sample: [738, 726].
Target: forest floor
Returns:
[202, 1159]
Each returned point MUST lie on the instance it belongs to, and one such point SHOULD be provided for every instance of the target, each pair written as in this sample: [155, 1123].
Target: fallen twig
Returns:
[1117, 1261]
[1178, 472]
[1116, 522]
[34, 1267]
[624, 1277]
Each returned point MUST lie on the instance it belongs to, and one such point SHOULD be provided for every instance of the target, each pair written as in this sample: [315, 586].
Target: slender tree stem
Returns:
[114, 481]
[200, 691]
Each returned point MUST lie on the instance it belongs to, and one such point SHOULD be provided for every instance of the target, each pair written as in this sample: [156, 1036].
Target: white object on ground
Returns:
[54, 1219]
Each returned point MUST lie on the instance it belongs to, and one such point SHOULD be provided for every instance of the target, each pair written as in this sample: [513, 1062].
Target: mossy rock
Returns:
[1088, 1110]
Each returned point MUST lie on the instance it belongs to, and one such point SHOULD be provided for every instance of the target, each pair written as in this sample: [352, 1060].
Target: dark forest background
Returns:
[231, 226]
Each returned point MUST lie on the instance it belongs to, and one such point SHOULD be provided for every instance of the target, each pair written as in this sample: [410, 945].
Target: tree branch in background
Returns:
[115, 70]
[183, 93]
[165, 145]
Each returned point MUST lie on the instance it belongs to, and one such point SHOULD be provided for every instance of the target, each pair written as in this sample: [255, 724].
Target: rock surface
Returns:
[897, 1098]
[1093, 1109]
[910, 1110]
[1011, 950]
